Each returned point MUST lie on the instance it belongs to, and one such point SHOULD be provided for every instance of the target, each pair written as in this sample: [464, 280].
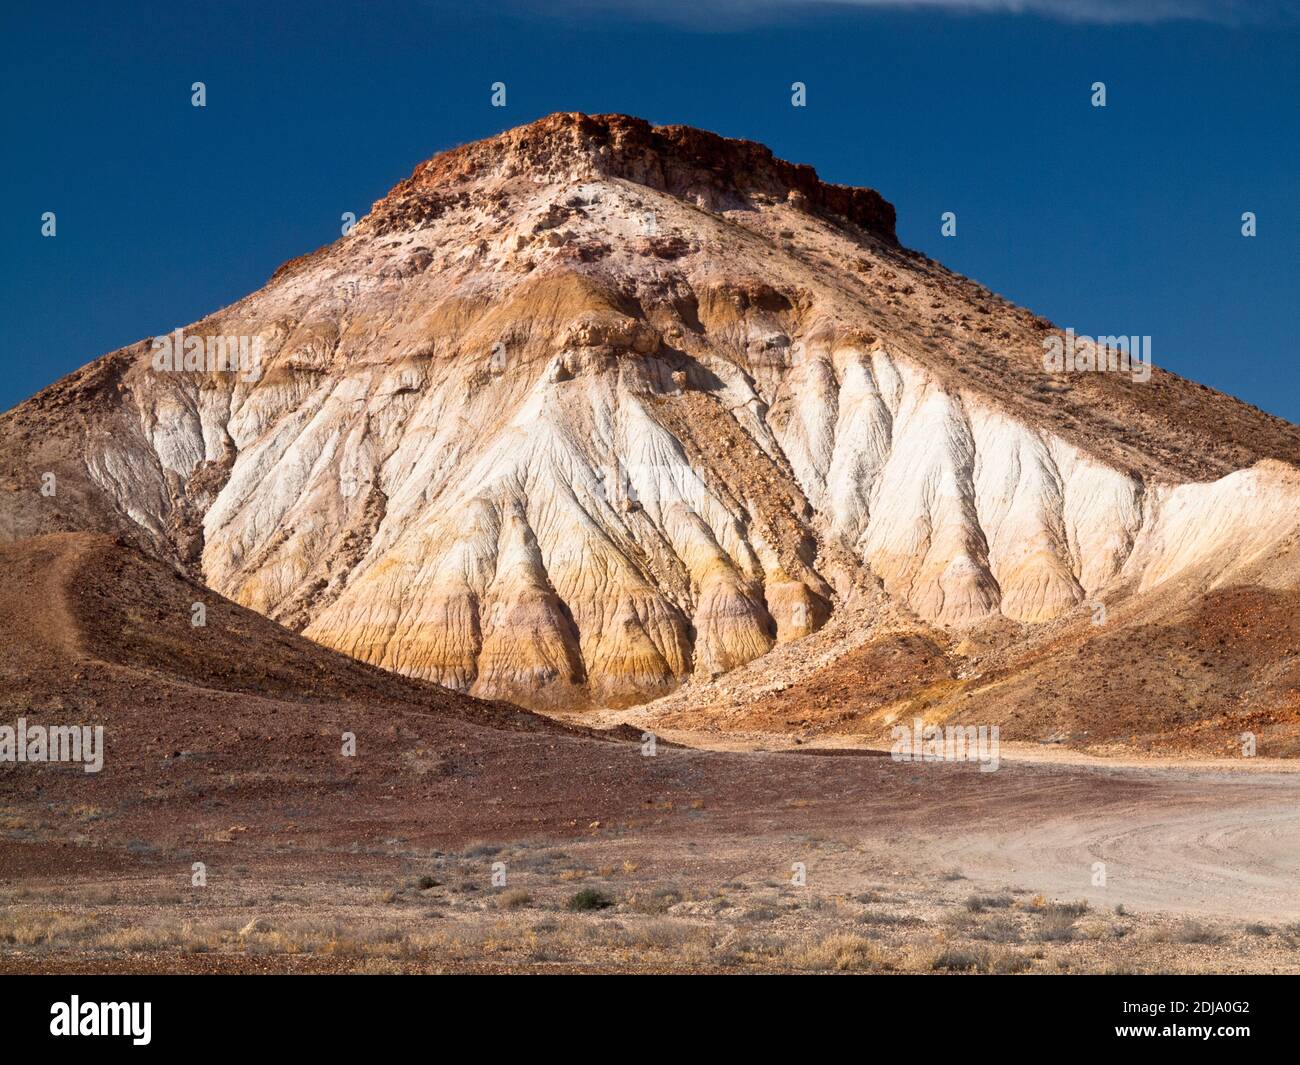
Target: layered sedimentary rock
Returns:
[591, 408]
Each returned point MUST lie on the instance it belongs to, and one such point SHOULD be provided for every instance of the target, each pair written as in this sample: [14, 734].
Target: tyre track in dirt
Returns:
[1197, 844]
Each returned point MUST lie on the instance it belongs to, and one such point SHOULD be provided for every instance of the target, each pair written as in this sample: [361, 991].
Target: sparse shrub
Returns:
[1000, 929]
[1056, 926]
[1188, 932]
[665, 933]
[589, 899]
[27, 929]
[1070, 909]
[737, 948]
[877, 917]
[980, 903]
[514, 899]
[840, 951]
[961, 959]
[1009, 962]
[1102, 929]
[656, 900]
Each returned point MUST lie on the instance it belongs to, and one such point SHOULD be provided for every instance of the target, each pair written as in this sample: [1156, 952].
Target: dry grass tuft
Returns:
[44, 927]
[838, 952]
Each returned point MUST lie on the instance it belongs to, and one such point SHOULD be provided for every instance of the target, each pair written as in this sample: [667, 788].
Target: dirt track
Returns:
[1206, 838]
[1200, 843]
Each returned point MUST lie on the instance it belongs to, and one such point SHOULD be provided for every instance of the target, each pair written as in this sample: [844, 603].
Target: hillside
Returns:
[592, 409]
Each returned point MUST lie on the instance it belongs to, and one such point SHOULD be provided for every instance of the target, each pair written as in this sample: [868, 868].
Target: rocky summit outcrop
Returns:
[591, 408]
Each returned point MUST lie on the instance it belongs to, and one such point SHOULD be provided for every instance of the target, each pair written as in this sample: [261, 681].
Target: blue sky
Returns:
[1122, 220]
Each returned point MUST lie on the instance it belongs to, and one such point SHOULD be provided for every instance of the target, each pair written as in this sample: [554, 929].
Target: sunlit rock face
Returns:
[591, 408]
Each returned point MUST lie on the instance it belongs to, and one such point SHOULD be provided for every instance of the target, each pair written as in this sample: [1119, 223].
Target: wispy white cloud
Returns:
[720, 12]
